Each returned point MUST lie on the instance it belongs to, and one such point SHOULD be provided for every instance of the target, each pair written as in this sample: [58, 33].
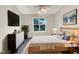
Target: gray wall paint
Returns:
[50, 23]
[4, 28]
[61, 12]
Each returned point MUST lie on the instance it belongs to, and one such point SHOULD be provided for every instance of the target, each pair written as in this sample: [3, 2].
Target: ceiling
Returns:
[34, 9]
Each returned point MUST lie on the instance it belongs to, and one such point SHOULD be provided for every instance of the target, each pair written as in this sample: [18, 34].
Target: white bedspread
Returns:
[47, 39]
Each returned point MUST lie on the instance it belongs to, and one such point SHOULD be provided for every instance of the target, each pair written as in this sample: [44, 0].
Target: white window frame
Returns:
[38, 24]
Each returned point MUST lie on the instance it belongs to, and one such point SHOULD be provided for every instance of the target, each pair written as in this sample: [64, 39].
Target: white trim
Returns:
[38, 24]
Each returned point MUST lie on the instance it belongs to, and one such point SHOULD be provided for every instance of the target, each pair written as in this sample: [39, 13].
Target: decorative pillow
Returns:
[65, 37]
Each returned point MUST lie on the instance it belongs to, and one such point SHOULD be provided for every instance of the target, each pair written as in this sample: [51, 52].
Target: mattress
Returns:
[48, 39]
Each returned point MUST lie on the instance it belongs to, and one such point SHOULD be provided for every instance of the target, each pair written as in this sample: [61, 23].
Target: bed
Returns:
[47, 44]
[52, 43]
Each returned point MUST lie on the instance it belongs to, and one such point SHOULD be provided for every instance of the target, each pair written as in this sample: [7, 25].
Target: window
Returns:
[39, 24]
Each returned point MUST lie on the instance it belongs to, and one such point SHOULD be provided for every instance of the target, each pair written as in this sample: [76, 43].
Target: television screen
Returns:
[13, 19]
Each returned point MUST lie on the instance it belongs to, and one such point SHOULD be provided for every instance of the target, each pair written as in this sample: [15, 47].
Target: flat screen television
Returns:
[13, 19]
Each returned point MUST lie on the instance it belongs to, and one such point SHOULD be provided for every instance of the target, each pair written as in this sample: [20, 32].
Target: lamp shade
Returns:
[54, 29]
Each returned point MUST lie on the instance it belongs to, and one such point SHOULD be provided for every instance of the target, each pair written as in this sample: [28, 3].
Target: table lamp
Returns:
[54, 30]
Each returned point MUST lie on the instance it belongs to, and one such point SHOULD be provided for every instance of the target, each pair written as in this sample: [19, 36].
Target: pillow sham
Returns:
[65, 37]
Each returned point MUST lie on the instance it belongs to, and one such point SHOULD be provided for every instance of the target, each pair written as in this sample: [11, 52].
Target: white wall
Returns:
[61, 12]
[50, 23]
[4, 28]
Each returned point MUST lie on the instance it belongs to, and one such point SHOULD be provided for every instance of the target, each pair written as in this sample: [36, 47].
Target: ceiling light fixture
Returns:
[43, 8]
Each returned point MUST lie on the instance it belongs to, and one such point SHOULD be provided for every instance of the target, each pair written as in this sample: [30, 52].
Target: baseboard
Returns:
[4, 52]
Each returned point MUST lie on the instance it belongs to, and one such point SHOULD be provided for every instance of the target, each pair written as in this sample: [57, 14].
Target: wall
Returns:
[4, 28]
[61, 12]
[27, 20]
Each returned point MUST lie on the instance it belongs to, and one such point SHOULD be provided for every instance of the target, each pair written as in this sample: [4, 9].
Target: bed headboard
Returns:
[74, 31]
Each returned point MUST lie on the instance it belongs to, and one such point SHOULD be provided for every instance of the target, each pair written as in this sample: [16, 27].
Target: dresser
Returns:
[14, 41]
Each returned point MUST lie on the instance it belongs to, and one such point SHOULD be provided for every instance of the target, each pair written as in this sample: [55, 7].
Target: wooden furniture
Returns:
[74, 39]
[49, 48]
[56, 47]
[53, 48]
[74, 31]
[14, 41]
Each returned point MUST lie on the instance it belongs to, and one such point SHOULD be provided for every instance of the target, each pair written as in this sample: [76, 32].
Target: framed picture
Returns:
[70, 18]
